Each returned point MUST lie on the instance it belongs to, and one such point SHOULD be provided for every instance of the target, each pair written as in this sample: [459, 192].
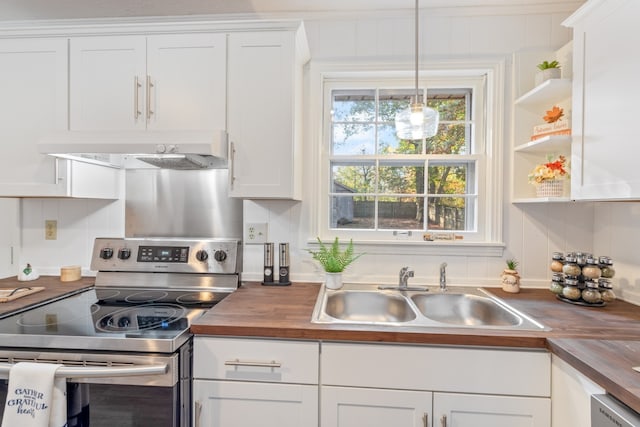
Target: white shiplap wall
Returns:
[531, 232]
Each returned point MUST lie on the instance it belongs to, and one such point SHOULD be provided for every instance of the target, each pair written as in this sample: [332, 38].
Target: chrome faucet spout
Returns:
[403, 277]
[443, 276]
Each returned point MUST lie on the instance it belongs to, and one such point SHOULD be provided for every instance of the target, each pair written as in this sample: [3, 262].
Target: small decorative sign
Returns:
[554, 124]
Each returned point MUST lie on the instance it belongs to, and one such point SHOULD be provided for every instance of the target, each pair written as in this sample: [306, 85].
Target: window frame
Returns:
[325, 76]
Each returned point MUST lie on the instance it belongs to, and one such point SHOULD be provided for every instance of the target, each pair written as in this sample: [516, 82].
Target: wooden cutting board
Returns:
[7, 295]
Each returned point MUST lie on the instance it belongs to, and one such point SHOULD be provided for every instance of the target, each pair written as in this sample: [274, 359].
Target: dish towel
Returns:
[35, 398]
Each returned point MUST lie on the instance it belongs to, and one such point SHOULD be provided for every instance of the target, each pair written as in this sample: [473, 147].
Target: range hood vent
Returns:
[140, 149]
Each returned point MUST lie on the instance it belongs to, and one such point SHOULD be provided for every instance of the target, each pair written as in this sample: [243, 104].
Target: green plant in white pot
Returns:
[547, 70]
[334, 260]
[510, 277]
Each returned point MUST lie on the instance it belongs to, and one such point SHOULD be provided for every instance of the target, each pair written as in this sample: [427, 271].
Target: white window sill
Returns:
[453, 248]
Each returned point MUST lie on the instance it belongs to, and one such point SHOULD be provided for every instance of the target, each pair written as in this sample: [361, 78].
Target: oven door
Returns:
[124, 390]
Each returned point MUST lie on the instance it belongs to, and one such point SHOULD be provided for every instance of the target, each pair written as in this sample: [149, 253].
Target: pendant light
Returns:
[417, 121]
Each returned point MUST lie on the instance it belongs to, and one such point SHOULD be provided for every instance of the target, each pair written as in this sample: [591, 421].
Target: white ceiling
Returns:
[11, 10]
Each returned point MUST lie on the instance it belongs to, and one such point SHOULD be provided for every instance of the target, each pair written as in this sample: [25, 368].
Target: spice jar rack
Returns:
[582, 279]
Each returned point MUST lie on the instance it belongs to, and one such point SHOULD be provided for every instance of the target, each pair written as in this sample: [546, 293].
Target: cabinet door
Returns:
[188, 81]
[9, 237]
[33, 84]
[108, 83]
[357, 407]
[229, 403]
[570, 394]
[474, 410]
[605, 106]
[261, 100]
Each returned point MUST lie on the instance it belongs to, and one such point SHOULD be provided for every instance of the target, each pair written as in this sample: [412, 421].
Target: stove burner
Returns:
[146, 297]
[57, 318]
[104, 294]
[144, 317]
[197, 298]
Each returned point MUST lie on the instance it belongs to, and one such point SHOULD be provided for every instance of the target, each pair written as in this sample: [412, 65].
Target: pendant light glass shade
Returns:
[417, 121]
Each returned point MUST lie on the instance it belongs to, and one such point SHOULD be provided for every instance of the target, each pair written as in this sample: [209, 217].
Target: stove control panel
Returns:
[218, 256]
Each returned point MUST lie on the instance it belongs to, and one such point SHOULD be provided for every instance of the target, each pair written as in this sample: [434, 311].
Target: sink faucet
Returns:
[443, 277]
[405, 273]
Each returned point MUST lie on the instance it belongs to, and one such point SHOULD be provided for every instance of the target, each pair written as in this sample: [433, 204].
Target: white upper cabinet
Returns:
[34, 101]
[605, 111]
[264, 113]
[159, 82]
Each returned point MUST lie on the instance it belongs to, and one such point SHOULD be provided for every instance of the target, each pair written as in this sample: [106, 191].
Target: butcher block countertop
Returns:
[53, 289]
[601, 342]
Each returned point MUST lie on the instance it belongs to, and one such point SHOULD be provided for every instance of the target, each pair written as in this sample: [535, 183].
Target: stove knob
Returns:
[124, 322]
[202, 255]
[124, 253]
[106, 253]
[220, 255]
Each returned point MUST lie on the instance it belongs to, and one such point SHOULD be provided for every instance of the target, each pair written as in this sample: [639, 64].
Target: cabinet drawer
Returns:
[454, 369]
[256, 360]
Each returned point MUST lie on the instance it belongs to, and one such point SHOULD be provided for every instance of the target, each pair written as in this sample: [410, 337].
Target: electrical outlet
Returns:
[255, 233]
[50, 229]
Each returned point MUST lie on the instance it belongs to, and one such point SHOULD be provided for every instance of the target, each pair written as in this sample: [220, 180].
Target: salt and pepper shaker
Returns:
[283, 263]
[268, 264]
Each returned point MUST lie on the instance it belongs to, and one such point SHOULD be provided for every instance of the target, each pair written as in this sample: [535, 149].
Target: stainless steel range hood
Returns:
[183, 149]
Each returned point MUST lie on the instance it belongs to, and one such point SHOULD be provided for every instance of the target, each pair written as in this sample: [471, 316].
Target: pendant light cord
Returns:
[416, 50]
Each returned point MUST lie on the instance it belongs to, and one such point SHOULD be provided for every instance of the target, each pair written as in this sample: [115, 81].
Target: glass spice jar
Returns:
[607, 295]
[581, 258]
[606, 267]
[571, 290]
[591, 270]
[557, 259]
[556, 288]
[571, 267]
[590, 293]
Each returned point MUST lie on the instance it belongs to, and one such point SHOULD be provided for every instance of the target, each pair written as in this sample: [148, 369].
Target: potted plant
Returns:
[334, 260]
[510, 277]
[547, 70]
[549, 177]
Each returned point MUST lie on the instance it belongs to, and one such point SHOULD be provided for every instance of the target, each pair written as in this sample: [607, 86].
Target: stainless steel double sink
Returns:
[455, 307]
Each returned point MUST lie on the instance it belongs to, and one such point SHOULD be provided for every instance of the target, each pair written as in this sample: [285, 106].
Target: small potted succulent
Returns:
[334, 260]
[510, 277]
[547, 70]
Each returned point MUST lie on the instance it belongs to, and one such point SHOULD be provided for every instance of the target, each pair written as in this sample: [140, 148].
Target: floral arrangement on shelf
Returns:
[550, 171]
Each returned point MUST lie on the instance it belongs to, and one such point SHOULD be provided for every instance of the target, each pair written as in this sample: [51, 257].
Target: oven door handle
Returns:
[100, 371]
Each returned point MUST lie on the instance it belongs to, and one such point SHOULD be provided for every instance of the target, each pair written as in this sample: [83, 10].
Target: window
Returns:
[379, 188]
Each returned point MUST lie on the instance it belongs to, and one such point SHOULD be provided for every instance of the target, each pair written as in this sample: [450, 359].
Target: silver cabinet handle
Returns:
[425, 418]
[149, 86]
[237, 362]
[136, 96]
[197, 411]
[98, 372]
[232, 163]
[443, 421]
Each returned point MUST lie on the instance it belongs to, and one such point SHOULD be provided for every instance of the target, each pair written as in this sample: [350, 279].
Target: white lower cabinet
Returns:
[369, 384]
[357, 407]
[242, 382]
[245, 382]
[232, 403]
[571, 395]
[475, 410]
